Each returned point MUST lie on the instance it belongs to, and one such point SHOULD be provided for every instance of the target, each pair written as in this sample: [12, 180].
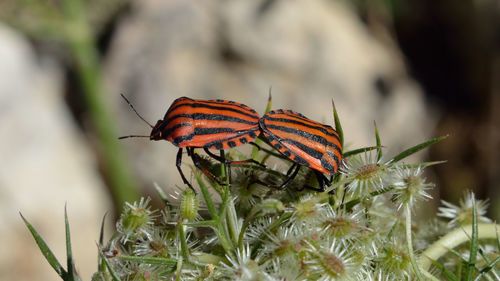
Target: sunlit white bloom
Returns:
[242, 267]
[331, 260]
[341, 223]
[285, 241]
[367, 174]
[410, 186]
[306, 209]
[462, 214]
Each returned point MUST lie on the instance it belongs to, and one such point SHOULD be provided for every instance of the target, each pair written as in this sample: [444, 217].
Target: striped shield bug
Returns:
[305, 142]
[208, 124]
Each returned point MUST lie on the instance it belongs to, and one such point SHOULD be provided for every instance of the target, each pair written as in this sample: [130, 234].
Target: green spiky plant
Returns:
[244, 231]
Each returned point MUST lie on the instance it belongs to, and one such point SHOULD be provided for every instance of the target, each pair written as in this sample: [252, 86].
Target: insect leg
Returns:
[256, 145]
[197, 164]
[323, 182]
[178, 165]
[228, 162]
[295, 168]
[290, 169]
[290, 178]
[228, 165]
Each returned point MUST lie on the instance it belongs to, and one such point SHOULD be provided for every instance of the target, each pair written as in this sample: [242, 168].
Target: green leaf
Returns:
[149, 260]
[459, 270]
[72, 275]
[490, 266]
[207, 196]
[379, 145]
[182, 238]
[416, 148]
[44, 248]
[163, 197]
[114, 275]
[445, 271]
[474, 243]
[100, 265]
[423, 165]
[338, 126]
[359, 150]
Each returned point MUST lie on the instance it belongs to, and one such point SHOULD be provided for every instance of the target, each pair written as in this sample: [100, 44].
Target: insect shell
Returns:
[208, 124]
[212, 124]
[303, 141]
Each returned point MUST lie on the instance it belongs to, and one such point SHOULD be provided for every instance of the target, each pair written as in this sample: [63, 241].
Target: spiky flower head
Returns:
[242, 267]
[340, 223]
[285, 241]
[245, 189]
[136, 220]
[367, 173]
[462, 214]
[393, 260]
[307, 208]
[158, 244]
[331, 260]
[410, 186]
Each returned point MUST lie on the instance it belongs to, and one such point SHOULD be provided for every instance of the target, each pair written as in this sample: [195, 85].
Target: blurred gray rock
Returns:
[310, 52]
[45, 164]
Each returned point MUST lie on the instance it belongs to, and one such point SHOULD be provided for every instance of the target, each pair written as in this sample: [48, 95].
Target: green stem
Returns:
[149, 260]
[208, 223]
[245, 225]
[83, 48]
[474, 245]
[455, 238]
[228, 205]
[207, 197]
[223, 240]
[339, 194]
[178, 271]
[409, 244]
[232, 221]
[182, 238]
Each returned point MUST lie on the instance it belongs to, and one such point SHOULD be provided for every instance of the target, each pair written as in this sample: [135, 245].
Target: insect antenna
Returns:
[133, 136]
[131, 106]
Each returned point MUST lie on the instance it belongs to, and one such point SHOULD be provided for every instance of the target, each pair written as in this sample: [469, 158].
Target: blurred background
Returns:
[419, 68]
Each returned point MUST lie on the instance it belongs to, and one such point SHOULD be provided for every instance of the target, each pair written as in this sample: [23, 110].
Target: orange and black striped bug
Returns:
[305, 142]
[208, 124]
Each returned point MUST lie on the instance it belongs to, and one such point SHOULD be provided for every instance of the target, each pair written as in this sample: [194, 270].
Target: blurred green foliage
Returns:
[74, 24]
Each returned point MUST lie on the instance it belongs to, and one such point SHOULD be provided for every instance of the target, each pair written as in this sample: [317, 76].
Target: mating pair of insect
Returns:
[220, 124]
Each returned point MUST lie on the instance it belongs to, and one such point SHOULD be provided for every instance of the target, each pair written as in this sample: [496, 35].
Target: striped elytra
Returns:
[212, 124]
[302, 140]
[208, 124]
